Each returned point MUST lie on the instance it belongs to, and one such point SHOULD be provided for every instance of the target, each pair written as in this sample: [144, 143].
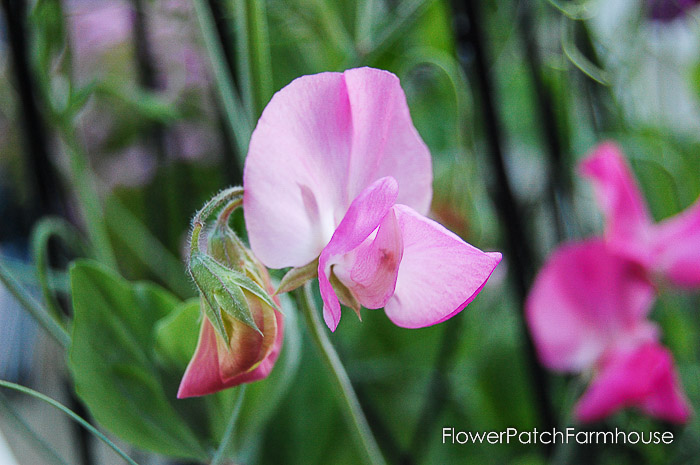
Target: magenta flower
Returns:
[669, 249]
[587, 310]
[336, 172]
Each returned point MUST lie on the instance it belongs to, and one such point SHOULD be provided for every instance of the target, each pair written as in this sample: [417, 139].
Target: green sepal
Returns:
[226, 247]
[221, 291]
[296, 277]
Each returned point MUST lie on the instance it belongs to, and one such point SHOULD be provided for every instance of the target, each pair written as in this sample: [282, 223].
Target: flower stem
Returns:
[70, 413]
[232, 195]
[18, 423]
[340, 377]
[40, 314]
[225, 443]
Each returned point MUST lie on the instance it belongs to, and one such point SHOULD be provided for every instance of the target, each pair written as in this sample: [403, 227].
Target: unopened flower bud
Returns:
[241, 335]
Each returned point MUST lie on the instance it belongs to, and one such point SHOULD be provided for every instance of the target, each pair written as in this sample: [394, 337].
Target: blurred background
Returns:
[118, 119]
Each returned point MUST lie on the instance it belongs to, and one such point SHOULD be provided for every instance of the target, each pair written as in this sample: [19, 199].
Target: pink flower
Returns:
[588, 308]
[337, 172]
[248, 357]
[643, 377]
[670, 249]
[248, 352]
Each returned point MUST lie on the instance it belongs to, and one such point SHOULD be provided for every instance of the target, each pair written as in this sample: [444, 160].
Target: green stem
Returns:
[231, 196]
[43, 231]
[71, 414]
[86, 190]
[236, 118]
[222, 451]
[35, 309]
[340, 377]
[9, 413]
[260, 58]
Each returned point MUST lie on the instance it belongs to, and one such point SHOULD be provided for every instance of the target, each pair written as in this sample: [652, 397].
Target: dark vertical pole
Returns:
[231, 166]
[162, 200]
[471, 45]
[41, 177]
[559, 182]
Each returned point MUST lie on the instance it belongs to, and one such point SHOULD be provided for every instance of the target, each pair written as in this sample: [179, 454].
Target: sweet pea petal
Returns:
[384, 140]
[247, 347]
[439, 273]
[203, 375]
[319, 143]
[370, 270]
[677, 248]
[644, 377]
[583, 300]
[295, 170]
[362, 218]
[628, 221]
[266, 365]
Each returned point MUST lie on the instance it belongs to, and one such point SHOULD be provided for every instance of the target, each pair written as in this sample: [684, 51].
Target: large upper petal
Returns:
[362, 218]
[439, 273]
[319, 143]
[584, 300]
[677, 247]
[643, 377]
[628, 221]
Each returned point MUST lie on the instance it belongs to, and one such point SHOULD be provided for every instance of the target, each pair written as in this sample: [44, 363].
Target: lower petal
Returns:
[584, 299]
[202, 374]
[265, 367]
[370, 271]
[677, 248]
[361, 219]
[439, 273]
[644, 378]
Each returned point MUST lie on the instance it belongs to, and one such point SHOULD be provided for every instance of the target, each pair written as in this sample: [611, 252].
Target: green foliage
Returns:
[113, 361]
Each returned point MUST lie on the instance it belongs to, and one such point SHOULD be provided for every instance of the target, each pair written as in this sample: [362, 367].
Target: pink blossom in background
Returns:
[669, 249]
[337, 171]
[587, 310]
[102, 41]
[642, 376]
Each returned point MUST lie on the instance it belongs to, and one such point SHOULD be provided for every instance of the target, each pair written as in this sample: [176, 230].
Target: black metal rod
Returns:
[41, 178]
[471, 45]
[559, 187]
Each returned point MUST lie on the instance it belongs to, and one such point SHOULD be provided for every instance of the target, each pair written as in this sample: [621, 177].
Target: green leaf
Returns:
[176, 335]
[112, 359]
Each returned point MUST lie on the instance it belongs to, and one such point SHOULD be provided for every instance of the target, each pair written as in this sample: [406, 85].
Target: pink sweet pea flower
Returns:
[585, 302]
[588, 307]
[670, 249]
[643, 377]
[337, 172]
[587, 312]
